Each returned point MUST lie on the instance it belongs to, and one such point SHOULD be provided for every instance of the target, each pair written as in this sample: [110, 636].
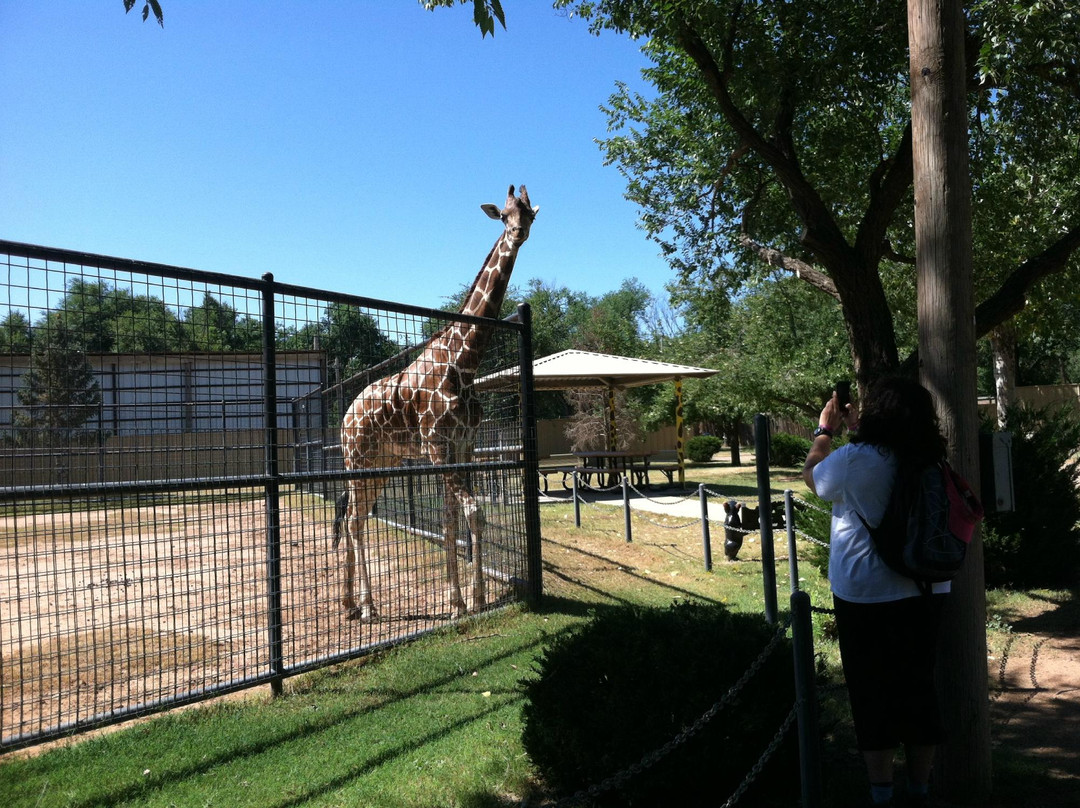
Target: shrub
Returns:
[633, 678]
[701, 448]
[1038, 543]
[788, 450]
[817, 522]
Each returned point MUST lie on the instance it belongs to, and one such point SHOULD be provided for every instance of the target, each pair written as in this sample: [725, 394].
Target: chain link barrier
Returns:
[678, 500]
[655, 756]
[650, 759]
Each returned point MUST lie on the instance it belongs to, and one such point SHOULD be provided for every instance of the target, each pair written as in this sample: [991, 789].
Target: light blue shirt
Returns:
[857, 478]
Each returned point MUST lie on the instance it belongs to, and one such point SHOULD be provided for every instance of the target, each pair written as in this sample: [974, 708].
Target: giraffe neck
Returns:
[462, 345]
[485, 296]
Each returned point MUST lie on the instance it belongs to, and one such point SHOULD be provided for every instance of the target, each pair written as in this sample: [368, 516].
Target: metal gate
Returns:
[169, 462]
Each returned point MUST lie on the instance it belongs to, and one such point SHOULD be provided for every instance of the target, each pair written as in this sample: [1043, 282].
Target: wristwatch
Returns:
[823, 430]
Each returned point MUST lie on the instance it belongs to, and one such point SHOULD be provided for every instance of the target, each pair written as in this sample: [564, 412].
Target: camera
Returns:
[843, 394]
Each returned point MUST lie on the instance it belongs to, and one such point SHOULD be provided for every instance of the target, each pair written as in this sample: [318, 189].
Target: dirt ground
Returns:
[111, 611]
[1034, 673]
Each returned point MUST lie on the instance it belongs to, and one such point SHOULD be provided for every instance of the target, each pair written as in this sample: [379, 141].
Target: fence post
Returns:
[410, 495]
[802, 645]
[768, 560]
[530, 454]
[626, 506]
[273, 503]
[789, 518]
[706, 538]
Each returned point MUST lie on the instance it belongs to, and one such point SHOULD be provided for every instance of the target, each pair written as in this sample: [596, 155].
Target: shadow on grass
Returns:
[1061, 621]
[311, 725]
[675, 591]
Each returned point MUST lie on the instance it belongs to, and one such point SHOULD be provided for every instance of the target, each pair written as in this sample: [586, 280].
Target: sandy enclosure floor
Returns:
[102, 610]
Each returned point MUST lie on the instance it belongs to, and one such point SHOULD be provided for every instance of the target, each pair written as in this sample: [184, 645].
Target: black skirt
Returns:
[889, 651]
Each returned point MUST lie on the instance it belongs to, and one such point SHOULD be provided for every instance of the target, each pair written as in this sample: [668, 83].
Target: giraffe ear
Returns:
[492, 211]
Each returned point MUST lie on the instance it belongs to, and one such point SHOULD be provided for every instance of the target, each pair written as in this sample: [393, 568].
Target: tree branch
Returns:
[1011, 296]
[800, 269]
[889, 184]
[887, 251]
[821, 234]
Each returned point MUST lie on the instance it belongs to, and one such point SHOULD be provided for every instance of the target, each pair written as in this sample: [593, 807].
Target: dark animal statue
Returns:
[733, 529]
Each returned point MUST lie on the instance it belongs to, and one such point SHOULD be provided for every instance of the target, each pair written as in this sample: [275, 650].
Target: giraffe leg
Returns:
[475, 518]
[452, 508]
[362, 495]
[459, 498]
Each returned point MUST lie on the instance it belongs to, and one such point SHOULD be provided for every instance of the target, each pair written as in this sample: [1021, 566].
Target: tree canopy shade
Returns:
[780, 136]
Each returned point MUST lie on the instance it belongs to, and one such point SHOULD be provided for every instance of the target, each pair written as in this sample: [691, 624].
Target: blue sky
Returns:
[345, 146]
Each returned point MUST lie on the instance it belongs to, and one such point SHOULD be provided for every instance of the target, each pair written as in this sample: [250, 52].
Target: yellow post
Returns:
[679, 432]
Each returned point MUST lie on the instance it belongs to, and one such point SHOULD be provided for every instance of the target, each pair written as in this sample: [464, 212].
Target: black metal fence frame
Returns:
[273, 478]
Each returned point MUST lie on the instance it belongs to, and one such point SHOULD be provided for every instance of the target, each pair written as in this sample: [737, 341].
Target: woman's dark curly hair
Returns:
[898, 414]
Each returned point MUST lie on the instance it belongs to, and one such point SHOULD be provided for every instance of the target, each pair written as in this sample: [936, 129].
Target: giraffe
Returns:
[429, 410]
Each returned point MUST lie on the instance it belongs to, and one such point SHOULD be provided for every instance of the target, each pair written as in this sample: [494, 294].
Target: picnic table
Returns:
[609, 465]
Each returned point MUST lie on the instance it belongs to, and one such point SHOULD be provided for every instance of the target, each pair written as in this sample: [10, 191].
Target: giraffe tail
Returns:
[340, 509]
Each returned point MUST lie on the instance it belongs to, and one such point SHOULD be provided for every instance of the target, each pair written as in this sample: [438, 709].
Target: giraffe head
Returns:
[517, 216]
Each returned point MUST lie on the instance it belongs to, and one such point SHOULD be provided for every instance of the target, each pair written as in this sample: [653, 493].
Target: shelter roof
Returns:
[583, 369]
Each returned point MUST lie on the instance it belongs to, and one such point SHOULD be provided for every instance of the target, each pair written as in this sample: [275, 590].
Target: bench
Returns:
[548, 470]
[667, 469]
[641, 472]
[585, 474]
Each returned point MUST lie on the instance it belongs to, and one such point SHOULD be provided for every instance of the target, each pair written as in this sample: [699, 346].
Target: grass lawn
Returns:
[434, 723]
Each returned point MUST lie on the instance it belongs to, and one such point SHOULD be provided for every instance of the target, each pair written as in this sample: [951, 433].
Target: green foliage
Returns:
[633, 678]
[778, 135]
[817, 522]
[485, 12]
[15, 333]
[352, 340]
[59, 393]
[217, 326]
[788, 450]
[1038, 543]
[148, 6]
[701, 448]
[102, 318]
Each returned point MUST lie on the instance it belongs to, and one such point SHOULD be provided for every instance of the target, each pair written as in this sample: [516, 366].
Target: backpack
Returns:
[928, 523]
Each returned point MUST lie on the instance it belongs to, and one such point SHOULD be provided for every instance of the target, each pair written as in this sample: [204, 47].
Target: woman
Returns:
[886, 627]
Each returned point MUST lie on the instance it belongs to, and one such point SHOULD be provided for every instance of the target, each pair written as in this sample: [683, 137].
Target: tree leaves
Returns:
[148, 6]
[485, 12]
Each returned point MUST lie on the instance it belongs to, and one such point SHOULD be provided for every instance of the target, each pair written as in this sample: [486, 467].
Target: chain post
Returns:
[706, 538]
[789, 518]
[768, 560]
[802, 647]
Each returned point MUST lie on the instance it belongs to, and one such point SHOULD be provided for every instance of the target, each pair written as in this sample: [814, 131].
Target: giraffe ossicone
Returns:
[429, 410]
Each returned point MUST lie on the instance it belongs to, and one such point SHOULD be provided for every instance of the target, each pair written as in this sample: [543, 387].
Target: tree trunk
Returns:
[947, 350]
[871, 334]
[1003, 347]
[734, 427]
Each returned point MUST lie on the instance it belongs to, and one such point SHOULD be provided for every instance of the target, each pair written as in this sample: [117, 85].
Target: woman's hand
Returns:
[833, 415]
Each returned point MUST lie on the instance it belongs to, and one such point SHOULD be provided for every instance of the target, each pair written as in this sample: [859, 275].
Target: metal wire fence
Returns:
[170, 456]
